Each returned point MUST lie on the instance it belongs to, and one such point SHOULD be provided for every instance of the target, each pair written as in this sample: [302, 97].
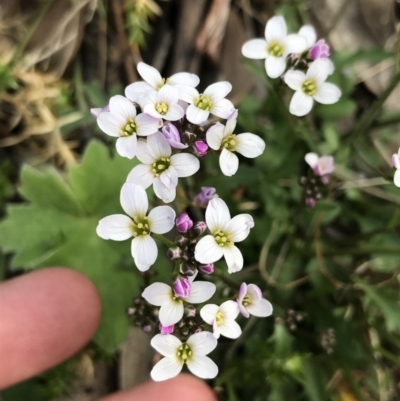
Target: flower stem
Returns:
[227, 280]
[164, 240]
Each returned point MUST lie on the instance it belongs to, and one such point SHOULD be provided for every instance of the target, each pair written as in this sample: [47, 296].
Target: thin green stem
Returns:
[233, 284]
[164, 240]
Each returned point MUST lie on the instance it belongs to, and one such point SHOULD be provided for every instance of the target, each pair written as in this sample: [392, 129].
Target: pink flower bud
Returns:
[320, 50]
[207, 269]
[166, 329]
[206, 194]
[198, 229]
[171, 133]
[184, 223]
[182, 287]
[310, 202]
[200, 148]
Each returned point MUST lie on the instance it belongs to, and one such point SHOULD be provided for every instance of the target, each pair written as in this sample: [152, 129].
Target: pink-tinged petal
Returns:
[327, 93]
[217, 215]
[144, 252]
[187, 93]
[166, 345]
[230, 310]
[150, 75]
[275, 29]
[233, 258]
[254, 292]
[161, 219]
[169, 178]
[301, 104]
[168, 94]
[157, 294]
[223, 109]
[242, 292]
[126, 146]
[243, 310]
[295, 44]
[184, 78]
[250, 145]
[311, 159]
[318, 71]
[294, 79]
[208, 313]
[147, 125]
[136, 90]
[175, 112]
[111, 124]
[396, 178]
[228, 162]
[158, 146]
[230, 329]
[215, 135]
[202, 343]
[95, 111]
[260, 309]
[171, 312]
[326, 165]
[203, 367]
[396, 161]
[218, 91]
[116, 227]
[162, 192]
[201, 291]
[133, 199]
[309, 34]
[122, 106]
[196, 115]
[207, 250]
[239, 227]
[255, 49]
[275, 66]
[185, 164]
[165, 369]
[141, 175]
[143, 153]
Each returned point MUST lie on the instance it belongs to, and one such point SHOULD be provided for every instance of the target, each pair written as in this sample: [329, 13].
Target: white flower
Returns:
[176, 354]
[121, 121]
[396, 165]
[275, 48]
[119, 227]
[222, 319]
[171, 305]
[154, 82]
[222, 137]
[212, 100]
[224, 233]
[321, 165]
[163, 104]
[251, 302]
[160, 168]
[309, 87]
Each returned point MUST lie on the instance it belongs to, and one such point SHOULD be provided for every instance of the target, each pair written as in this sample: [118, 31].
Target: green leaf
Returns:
[314, 382]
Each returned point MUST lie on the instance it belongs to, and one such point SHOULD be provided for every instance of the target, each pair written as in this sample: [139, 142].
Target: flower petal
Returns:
[141, 175]
[143, 153]
[147, 125]
[185, 164]
[157, 294]
[150, 75]
[202, 343]
[309, 34]
[203, 367]
[217, 215]
[327, 93]
[311, 159]
[275, 66]
[169, 178]
[215, 135]
[318, 71]
[254, 292]
[208, 313]
[250, 145]
[275, 29]
[294, 79]
[133, 199]
[167, 195]
[230, 329]
[116, 227]
[171, 312]
[301, 104]
[111, 124]
[239, 227]
[200, 292]
[158, 146]
[218, 91]
[396, 178]
[168, 94]
[184, 78]
[260, 309]
[207, 250]
[234, 259]
[196, 115]
[161, 219]
[228, 162]
[165, 369]
[175, 112]
[231, 123]
[255, 49]
[136, 90]
[126, 146]
[144, 251]
[187, 93]
[122, 106]
[223, 108]
[295, 44]
[230, 310]
[166, 344]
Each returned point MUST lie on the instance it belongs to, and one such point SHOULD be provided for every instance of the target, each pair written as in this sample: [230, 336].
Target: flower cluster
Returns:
[309, 65]
[164, 123]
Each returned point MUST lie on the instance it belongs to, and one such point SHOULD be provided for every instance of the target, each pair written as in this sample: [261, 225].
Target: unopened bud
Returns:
[182, 287]
[181, 241]
[200, 148]
[207, 269]
[185, 330]
[147, 328]
[188, 269]
[198, 229]
[174, 253]
[320, 50]
[171, 133]
[203, 197]
[310, 202]
[190, 311]
[166, 329]
[188, 137]
[184, 223]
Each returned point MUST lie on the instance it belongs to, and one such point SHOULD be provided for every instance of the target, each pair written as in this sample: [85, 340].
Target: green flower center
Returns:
[162, 108]
[140, 226]
[129, 129]
[184, 353]
[230, 143]
[219, 318]
[159, 166]
[309, 87]
[275, 49]
[203, 103]
[222, 239]
[247, 300]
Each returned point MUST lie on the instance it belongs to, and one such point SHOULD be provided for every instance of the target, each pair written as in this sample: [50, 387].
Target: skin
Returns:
[48, 315]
